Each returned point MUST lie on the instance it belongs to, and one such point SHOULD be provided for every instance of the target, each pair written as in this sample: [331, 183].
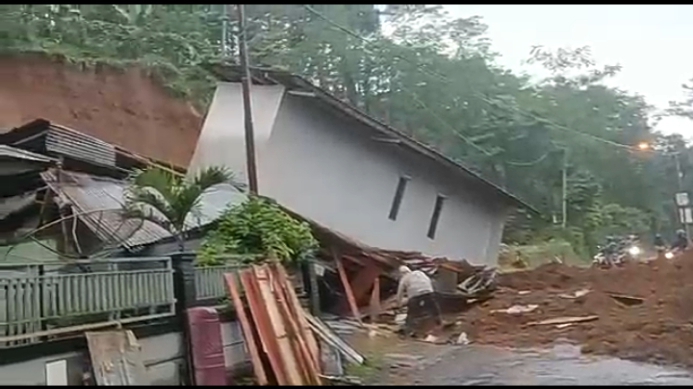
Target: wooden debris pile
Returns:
[275, 327]
[279, 334]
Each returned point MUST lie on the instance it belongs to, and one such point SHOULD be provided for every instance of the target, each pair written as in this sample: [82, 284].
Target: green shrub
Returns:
[258, 227]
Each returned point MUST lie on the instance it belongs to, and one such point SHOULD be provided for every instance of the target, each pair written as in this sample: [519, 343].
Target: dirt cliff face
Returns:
[123, 107]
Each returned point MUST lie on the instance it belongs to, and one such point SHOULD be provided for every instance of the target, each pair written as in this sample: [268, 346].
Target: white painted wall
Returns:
[162, 356]
[222, 139]
[327, 167]
[331, 170]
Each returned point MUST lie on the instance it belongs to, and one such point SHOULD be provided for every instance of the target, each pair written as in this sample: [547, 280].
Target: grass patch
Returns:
[514, 257]
[368, 370]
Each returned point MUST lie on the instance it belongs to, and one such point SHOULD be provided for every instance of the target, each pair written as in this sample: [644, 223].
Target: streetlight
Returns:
[644, 146]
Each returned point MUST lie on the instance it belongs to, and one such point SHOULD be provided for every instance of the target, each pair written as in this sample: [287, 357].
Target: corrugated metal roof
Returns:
[15, 153]
[65, 141]
[10, 205]
[101, 200]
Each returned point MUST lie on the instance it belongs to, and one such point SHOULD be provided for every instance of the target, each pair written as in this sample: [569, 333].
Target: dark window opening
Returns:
[437, 209]
[397, 200]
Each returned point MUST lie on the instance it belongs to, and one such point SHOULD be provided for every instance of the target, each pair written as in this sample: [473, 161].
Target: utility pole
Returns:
[247, 111]
[682, 211]
[564, 190]
[225, 32]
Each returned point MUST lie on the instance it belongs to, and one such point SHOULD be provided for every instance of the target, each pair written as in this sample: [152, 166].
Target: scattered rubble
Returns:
[640, 311]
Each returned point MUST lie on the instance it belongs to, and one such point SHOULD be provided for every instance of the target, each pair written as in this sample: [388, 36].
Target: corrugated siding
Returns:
[63, 141]
[101, 200]
[15, 153]
[100, 203]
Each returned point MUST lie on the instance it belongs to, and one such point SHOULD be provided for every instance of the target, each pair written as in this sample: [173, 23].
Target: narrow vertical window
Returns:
[437, 209]
[399, 194]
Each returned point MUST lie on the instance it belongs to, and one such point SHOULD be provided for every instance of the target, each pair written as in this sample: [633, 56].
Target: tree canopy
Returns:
[430, 75]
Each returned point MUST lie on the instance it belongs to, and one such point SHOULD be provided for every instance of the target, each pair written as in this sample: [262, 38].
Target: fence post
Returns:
[184, 281]
[184, 291]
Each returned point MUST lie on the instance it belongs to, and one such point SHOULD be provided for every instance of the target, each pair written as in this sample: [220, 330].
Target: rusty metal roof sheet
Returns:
[100, 202]
[10, 152]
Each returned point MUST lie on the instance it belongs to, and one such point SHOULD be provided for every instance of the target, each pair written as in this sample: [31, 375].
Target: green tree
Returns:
[431, 75]
[167, 198]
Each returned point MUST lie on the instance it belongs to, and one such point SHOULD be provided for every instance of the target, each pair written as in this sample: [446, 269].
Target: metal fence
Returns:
[209, 279]
[48, 299]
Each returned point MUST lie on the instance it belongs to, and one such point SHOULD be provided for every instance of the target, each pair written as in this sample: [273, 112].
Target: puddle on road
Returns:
[488, 365]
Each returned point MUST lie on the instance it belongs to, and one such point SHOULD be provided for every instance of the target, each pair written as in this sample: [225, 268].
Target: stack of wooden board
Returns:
[274, 326]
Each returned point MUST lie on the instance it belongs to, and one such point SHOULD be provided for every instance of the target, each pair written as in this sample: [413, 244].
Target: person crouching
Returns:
[422, 307]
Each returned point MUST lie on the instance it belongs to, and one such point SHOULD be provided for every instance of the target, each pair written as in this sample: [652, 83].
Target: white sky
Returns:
[653, 43]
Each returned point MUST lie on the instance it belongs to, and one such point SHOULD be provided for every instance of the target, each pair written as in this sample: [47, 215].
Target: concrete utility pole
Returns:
[679, 176]
[564, 190]
[225, 32]
[248, 113]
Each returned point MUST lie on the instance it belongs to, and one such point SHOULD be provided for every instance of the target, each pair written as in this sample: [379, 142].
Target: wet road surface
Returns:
[418, 363]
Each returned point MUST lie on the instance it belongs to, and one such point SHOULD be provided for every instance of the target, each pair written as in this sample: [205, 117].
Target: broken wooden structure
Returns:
[280, 342]
[368, 275]
[116, 359]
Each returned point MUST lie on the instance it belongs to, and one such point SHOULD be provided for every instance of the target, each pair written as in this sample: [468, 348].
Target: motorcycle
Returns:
[623, 250]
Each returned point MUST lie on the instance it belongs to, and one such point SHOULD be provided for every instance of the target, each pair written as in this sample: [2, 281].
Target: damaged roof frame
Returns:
[297, 85]
[43, 136]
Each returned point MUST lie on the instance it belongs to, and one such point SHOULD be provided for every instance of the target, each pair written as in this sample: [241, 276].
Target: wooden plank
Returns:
[300, 323]
[293, 373]
[347, 289]
[363, 282]
[116, 359]
[303, 356]
[564, 320]
[298, 312]
[262, 323]
[375, 301]
[627, 300]
[250, 341]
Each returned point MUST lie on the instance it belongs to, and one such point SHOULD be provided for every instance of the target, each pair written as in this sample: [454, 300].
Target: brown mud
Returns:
[123, 107]
[658, 329]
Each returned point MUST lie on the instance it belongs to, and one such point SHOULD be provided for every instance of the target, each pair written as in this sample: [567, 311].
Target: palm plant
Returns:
[166, 198]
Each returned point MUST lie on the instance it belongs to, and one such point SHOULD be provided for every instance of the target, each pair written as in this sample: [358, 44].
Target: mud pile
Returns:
[125, 107]
[657, 329]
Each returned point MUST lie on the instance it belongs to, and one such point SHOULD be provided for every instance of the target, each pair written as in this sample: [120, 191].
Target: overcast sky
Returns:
[653, 43]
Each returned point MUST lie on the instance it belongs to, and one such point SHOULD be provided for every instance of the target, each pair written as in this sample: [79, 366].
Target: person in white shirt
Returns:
[422, 306]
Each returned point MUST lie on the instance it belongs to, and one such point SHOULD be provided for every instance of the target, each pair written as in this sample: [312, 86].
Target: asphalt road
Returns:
[416, 363]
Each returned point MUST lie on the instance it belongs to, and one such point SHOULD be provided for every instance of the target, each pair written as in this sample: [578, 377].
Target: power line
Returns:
[455, 131]
[443, 78]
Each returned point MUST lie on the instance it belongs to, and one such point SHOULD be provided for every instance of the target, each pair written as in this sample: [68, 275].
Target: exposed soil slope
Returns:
[658, 329]
[124, 107]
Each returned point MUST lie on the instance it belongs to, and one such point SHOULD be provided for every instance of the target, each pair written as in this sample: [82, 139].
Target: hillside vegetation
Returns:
[432, 76]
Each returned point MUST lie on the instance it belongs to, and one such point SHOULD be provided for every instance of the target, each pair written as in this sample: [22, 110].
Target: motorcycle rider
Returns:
[659, 244]
[610, 249]
[680, 243]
